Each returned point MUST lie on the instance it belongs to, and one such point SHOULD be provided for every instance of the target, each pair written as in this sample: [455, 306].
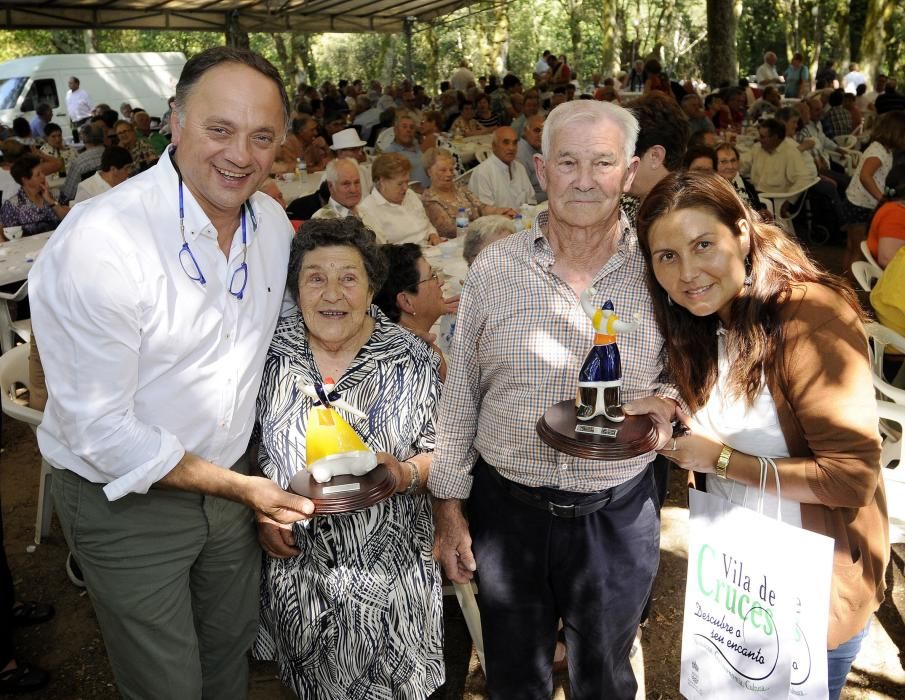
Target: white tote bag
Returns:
[756, 605]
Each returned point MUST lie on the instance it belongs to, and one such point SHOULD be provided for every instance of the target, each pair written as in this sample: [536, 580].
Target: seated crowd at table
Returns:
[685, 205]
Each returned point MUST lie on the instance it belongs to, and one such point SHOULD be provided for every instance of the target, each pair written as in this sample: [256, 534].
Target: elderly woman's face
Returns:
[442, 173]
[334, 295]
[393, 189]
[727, 163]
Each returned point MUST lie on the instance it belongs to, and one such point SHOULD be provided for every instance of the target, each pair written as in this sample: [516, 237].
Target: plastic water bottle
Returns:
[461, 222]
[301, 167]
[519, 223]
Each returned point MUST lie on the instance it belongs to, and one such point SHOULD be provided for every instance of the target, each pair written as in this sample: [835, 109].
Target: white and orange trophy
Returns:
[341, 473]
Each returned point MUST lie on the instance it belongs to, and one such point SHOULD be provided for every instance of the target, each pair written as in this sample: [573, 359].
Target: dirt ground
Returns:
[71, 648]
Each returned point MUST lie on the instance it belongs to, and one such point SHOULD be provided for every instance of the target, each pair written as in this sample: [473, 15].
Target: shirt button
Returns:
[564, 466]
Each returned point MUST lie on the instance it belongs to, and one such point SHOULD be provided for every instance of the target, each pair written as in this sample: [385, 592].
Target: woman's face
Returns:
[483, 107]
[699, 261]
[428, 127]
[55, 139]
[428, 302]
[703, 164]
[727, 163]
[35, 181]
[334, 294]
[393, 189]
[442, 173]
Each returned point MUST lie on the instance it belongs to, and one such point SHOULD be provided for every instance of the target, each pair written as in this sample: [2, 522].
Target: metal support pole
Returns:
[407, 30]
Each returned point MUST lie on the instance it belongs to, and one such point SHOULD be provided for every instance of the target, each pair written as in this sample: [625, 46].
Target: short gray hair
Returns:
[432, 155]
[591, 111]
[480, 231]
[331, 172]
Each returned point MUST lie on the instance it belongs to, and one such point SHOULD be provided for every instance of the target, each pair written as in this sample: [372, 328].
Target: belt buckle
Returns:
[561, 511]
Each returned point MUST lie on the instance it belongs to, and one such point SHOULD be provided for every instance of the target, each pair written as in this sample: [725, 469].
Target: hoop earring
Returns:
[669, 301]
[748, 280]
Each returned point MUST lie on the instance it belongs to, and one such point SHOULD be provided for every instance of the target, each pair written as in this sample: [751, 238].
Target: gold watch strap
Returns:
[722, 464]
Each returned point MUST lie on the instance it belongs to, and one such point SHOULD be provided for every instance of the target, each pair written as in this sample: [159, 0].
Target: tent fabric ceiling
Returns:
[253, 15]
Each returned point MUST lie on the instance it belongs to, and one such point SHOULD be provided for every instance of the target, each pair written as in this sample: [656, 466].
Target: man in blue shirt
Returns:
[404, 143]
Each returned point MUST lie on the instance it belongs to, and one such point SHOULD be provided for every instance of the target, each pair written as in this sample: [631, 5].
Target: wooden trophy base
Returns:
[597, 438]
[343, 494]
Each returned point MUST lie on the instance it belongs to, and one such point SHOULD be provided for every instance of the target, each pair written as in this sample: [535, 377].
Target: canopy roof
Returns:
[253, 15]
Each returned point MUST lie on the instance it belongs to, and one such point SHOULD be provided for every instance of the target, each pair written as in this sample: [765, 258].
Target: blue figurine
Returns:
[600, 378]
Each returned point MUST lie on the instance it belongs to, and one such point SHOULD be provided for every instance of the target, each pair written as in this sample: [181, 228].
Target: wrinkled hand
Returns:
[401, 474]
[436, 239]
[511, 213]
[807, 144]
[692, 451]
[451, 304]
[661, 410]
[276, 539]
[452, 541]
[266, 498]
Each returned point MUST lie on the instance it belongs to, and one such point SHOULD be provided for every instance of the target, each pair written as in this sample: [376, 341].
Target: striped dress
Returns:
[358, 614]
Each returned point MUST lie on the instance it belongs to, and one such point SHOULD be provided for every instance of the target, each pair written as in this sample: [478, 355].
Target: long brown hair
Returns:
[775, 264]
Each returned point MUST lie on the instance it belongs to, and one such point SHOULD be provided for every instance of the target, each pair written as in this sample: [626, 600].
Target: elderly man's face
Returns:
[234, 121]
[768, 141]
[534, 130]
[142, 121]
[125, 135]
[308, 132]
[347, 188]
[353, 153]
[405, 131]
[771, 59]
[585, 173]
[505, 144]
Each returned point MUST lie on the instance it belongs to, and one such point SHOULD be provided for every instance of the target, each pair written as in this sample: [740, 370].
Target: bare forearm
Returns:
[192, 473]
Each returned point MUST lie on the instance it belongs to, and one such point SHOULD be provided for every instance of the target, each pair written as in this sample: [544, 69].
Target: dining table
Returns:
[18, 256]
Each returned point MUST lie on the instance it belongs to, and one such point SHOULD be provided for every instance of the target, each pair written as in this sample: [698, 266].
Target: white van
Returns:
[144, 80]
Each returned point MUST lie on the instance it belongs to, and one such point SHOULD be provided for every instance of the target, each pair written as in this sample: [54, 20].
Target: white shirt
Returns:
[91, 187]
[333, 210]
[783, 170]
[857, 193]
[501, 185]
[461, 79]
[396, 223]
[852, 80]
[541, 66]
[766, 74]
[751, 429]
[78, 104]
[144, 364]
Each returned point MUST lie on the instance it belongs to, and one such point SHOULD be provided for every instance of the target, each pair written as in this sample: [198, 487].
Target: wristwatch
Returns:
[722, 464]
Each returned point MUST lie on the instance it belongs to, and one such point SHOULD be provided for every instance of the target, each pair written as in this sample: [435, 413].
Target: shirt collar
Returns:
[500, 164]
[543, 251]
[382, 201]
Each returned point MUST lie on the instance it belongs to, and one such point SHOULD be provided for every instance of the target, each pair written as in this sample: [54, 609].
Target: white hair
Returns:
[570, 114]
[331, 172]
[481, 230]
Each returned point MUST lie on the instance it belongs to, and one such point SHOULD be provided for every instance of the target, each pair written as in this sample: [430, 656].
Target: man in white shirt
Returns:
[853, 78]
[347, 144]
[462, 77]
[775, 164]
[116, 165]
[344, 182]
[766, 73]
[528, 147]
[501, 180]
[153, 308]
[78, 105]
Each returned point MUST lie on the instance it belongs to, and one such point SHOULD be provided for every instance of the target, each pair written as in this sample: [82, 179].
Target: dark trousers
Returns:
[594, 572]
[7, 599]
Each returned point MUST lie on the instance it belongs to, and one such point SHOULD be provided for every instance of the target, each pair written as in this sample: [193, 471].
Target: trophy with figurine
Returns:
[341, 473]
[594, 426]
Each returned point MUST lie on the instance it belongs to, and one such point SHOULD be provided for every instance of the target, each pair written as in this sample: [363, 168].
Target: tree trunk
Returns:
[573, 10]
[722, 22]
[873, 39]
[286, 66]
[302, 55]
[388, 54]
[433, 60]
[843, 37]
[235, 37]
[90, 41]
[499, 41]
[609, 37]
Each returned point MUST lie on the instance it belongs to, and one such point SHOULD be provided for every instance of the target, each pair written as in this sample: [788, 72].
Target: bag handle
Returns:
[765, 464]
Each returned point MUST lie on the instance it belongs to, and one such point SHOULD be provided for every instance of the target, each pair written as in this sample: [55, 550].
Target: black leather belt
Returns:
[534, 498]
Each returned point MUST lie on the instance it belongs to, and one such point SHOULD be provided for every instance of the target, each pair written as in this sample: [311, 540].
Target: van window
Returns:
[9, 91]
[41, 91]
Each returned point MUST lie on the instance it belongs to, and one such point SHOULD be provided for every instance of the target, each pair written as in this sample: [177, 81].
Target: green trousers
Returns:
[174, 579]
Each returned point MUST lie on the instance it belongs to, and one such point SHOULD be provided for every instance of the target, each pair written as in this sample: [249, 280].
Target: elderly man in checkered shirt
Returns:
[552, 536]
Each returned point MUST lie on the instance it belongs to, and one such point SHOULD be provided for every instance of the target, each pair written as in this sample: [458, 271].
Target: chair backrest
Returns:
[13, 373]
[865, 274]
[865, 251]
[384, 139]
[464, 178]
[879, 338]
[18, 295]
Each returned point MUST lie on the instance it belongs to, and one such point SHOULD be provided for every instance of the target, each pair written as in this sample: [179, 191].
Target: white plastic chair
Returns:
[384, 139]
[9, 329]
[776, 200]
[894, 477]
[464, 178]
[879, 339]
[865, 251]
[13, 374]
[865, 274]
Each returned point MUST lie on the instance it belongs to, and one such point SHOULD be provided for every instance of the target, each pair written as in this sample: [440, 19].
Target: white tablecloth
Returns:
[17, 257]
[295, 188]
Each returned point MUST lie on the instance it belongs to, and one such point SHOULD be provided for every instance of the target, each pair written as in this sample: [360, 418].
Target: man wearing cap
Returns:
[347, 144]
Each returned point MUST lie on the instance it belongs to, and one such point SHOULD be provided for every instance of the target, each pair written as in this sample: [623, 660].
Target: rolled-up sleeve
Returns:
[87, 315]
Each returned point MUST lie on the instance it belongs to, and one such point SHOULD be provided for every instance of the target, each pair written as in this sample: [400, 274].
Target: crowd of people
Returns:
[174, 362]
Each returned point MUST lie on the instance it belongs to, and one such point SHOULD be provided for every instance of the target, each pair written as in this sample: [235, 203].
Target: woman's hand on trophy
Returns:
[402, 475]
[276, 539]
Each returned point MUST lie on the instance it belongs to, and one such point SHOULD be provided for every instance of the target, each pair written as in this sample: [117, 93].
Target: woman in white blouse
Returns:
[392, 211]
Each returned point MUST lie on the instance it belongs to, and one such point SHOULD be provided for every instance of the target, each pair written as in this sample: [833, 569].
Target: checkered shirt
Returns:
[521, 338]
